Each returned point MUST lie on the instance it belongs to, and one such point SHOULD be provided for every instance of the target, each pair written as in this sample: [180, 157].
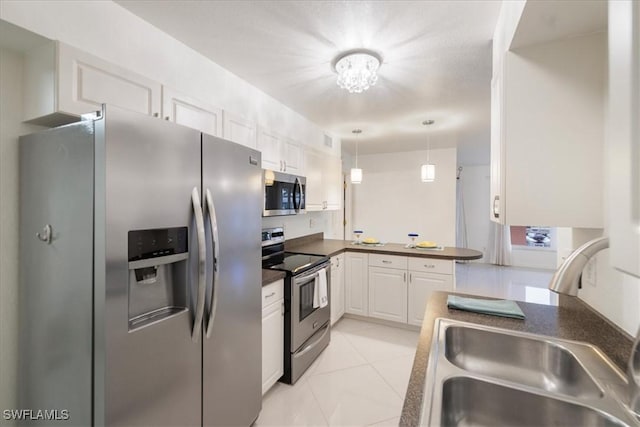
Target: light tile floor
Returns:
[361, 377]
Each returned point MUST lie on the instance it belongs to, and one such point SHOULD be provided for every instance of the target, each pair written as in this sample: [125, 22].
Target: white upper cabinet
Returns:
[623, 139]
[187, 111]
[239, 130]
[324, 181]
[62, 82]
[279, 153]
[547, 125]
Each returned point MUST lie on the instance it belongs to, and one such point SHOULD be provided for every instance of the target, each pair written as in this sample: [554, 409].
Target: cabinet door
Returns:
[337, 288]
[272, 344]
[332, 183]
[269, 146]
[314, 164]
[190, 112]
[623, 145]
[240, 130]
[388, 294]
[356, 284]
[292, 156]
[421, 285]
[85, 82]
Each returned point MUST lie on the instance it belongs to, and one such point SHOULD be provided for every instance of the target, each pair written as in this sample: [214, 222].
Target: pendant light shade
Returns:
[428, 172]
[356, 173]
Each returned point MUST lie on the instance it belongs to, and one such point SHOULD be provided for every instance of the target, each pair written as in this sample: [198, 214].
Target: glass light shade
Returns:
[356, 176]
[357, 71]
[428, 172]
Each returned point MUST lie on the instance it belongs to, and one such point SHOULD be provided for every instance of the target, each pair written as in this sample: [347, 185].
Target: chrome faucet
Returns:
[566, 280]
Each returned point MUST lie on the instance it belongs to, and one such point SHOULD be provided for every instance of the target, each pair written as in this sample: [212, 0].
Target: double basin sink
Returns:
[483, 376]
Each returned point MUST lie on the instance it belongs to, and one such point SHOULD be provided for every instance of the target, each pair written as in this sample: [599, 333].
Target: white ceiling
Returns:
[436, 62]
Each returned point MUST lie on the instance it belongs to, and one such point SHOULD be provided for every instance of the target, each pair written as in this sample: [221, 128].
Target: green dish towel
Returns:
[502, 308]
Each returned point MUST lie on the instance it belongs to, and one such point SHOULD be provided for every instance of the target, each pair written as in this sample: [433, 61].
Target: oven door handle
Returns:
[315, 342]
[303, 279]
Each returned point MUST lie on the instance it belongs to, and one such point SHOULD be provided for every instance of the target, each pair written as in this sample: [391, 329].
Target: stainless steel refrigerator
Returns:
[140, 275]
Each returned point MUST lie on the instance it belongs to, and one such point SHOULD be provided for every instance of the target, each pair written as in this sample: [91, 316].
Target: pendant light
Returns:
[428, 170]
[356, 173]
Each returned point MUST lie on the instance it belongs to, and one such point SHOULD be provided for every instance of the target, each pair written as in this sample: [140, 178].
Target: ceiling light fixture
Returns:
[428, 170]
[356, 173]
[357, 70]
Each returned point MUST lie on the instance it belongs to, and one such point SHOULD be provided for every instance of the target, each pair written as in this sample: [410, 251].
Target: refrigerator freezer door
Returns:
[232, 391]
[152, 370]
[56, 276]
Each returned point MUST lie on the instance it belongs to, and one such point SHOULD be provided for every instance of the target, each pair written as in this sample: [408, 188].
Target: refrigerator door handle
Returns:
[215, 243]
[202, 263]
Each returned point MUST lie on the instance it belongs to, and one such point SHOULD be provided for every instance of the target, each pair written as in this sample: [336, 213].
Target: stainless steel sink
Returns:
[479, 376]
[473, 402]
[534, 362]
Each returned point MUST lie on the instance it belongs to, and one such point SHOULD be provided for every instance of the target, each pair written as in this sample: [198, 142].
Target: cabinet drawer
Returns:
[272, 292]
[388, 261]
[431, 265]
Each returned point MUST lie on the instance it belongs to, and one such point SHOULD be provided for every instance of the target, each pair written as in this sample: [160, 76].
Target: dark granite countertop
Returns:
[270, 276]
[572, 319]
[316, 245]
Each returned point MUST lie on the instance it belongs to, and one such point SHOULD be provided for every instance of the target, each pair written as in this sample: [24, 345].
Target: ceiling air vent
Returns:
[328, 141]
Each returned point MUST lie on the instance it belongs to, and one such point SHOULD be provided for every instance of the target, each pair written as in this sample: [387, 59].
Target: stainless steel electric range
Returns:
[307, 329]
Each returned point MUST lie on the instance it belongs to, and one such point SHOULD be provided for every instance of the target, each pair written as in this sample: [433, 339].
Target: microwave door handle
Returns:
[202, 261]
[215, 244]
[301, 194]
[296, 187]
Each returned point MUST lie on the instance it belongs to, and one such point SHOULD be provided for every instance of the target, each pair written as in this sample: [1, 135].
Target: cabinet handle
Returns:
[405, 277]
[431, 265]
[338, 261]
[281, 168]
[270, 295]
[282, 308]
[384, 261]
[410, 278]
[156, 114]
[167, 118]
[496, 207]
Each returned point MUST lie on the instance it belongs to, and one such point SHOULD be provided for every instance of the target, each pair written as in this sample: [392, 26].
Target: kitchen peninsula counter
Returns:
[572, 319]
[315, 244]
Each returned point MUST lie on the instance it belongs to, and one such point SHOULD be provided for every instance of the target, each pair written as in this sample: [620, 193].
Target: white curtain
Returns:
[500, 245]
[461, 219]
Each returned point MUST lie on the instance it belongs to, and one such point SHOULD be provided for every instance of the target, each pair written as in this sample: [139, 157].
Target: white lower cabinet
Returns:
[388, 294]
[356, 283]
[421, 286]
[394, 287]
[272, 334]
[337, 288]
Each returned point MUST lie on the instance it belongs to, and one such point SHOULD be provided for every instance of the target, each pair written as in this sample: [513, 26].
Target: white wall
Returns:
[392, 201]
[11, 71]
[328, 222]
[475, 180]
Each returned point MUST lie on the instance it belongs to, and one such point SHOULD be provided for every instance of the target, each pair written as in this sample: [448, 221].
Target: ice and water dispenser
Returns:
[157, 274]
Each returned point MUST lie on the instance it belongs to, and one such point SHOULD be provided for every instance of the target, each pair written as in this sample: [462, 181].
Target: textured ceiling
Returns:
[436, 61]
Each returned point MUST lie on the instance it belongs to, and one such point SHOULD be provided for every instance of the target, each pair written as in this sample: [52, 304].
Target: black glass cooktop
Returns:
[296, 263]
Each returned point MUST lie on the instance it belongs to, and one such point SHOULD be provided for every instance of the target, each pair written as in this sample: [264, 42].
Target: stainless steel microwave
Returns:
[284, 194]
